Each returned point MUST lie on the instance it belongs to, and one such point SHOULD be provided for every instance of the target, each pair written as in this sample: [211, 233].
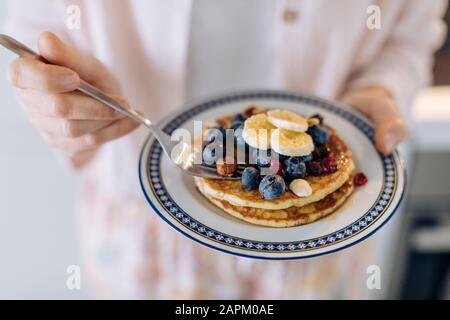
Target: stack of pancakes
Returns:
[329, 193]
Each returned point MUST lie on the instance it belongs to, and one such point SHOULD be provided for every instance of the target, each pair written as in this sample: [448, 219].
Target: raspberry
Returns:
[226, 167]
[360, 179]
[276, 168]
[329, 165]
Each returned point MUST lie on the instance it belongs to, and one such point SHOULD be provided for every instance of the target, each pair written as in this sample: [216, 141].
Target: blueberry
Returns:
[236, 125]
[230, 140]
[295, 168]
[319, 134]
[238, 134]
[242, 147]
[272, 187]
[251, 154]
[238, 119]
[216, 132]
[243, 153]
[250, 178]
[307, 158]
[212, 152]
[262, 157]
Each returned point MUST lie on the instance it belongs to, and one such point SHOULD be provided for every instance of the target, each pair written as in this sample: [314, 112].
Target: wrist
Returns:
[376, 90]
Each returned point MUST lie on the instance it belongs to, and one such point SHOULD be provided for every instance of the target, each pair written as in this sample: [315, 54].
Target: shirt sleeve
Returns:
[25, 20]
[404, 64]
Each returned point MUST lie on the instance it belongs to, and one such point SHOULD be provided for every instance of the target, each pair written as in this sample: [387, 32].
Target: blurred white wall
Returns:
[37, 223]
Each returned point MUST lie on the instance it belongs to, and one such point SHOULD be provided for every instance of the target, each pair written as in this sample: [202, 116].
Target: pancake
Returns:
[232, 192]
[293, 216]
[329, 191]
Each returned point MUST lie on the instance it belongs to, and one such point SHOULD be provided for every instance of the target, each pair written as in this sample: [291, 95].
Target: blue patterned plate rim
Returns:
[152, 175]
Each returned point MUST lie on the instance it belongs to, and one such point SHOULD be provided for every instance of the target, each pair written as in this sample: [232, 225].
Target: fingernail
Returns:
[71, 81]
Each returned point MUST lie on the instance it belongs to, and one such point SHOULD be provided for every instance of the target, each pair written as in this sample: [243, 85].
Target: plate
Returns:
[173, 196]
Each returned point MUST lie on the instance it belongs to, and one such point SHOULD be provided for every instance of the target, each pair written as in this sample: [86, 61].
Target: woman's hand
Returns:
[68, 120]
[376, 102]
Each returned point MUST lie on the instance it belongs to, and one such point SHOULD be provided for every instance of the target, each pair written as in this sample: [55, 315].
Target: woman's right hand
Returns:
[69, 120]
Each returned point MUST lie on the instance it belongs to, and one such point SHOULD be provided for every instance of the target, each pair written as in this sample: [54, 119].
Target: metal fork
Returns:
[178, 152]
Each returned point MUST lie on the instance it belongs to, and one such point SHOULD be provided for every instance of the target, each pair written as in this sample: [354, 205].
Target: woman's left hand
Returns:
[376, 102]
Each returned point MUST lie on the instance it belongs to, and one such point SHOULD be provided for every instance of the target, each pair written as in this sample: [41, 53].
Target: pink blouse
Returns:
[323, 47]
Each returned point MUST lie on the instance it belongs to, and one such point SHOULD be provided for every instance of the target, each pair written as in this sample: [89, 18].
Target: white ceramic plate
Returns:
[174, 198]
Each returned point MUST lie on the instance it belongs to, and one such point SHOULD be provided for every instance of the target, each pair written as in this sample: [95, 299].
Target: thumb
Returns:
[88, 68]
[390, 127]
[390, 133]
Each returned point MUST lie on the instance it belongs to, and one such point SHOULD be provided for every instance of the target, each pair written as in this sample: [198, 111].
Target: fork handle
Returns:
[88, 89]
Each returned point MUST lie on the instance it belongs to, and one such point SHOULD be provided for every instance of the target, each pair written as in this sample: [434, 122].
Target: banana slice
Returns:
[291, 143]
[301, 188]
[258, 131]
[288, 120]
